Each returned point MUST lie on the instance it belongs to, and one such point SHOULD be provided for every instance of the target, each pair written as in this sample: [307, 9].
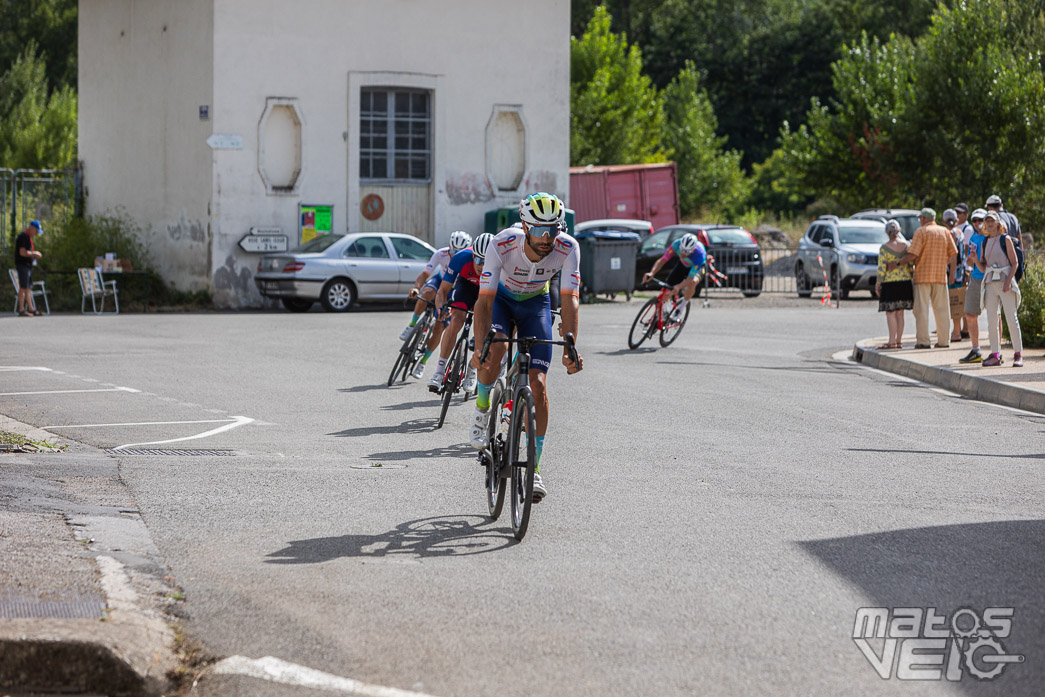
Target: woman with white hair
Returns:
[894, 288]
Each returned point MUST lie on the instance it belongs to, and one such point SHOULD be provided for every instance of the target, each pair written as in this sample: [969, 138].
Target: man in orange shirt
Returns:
[933, 253]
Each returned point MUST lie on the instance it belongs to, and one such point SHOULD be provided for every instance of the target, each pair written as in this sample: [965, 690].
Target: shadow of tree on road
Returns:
[425, 538]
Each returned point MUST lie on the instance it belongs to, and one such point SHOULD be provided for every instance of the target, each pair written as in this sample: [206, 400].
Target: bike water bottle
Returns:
[506, 418]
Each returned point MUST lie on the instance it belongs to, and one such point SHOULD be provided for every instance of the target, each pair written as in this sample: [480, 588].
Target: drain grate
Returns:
[182, 452]
[23, 610]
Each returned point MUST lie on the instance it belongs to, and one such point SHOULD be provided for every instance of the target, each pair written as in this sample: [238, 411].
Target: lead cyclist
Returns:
[514, 286]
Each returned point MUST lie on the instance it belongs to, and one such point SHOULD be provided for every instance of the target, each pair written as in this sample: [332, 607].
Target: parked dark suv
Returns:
[846, 247]
[735, 250]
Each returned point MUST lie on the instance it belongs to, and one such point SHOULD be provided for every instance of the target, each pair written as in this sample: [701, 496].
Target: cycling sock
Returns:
[413, 320]
[440, 366]
[428, 354]
[482, 396]
[539, 445]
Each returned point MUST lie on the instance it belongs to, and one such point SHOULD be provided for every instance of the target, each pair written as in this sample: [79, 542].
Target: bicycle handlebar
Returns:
[568, 342]
[410, 300]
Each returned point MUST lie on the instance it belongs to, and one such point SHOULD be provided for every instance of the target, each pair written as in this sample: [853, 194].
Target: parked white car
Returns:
[339, 270]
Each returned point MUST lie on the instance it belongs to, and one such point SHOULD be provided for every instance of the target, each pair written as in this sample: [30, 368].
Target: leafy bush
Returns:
[1032, 308]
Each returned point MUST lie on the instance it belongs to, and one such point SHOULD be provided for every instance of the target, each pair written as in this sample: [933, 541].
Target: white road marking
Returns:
[239, 421]
[140, 423]
[106, 389]
[17, 368]
[286, 673]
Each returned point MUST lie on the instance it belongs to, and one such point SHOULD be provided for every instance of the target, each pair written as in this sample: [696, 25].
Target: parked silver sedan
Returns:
[338, 270]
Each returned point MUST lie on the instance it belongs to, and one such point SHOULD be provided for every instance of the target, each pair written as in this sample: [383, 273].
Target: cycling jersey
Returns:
[694, 261]
[509, 272]
[462, 266]
[440, 260]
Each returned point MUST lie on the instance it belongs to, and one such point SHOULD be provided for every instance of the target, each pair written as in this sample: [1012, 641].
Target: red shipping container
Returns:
[640, 192]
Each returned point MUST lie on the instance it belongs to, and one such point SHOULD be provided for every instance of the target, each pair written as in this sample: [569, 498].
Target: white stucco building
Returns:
[410, 116]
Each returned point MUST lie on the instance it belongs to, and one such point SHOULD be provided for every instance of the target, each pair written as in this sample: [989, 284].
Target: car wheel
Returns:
[296, 304]
[802, 281]
[338, 295]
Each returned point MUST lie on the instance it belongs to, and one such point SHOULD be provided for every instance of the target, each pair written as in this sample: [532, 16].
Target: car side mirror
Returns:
[827, 242]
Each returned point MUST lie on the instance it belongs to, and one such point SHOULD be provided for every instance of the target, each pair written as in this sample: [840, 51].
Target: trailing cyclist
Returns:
[513, 286]
[461, 283]
[426, 285]
[687, 273]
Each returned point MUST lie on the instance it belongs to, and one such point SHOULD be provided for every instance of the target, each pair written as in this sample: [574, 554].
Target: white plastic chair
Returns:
[93, 286]
[38, 290]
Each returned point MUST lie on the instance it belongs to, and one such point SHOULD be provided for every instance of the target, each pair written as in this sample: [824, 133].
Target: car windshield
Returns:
[316, 244]
[863, 234]
[729, 235]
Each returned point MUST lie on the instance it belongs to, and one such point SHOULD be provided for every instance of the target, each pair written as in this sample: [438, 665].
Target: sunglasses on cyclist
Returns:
[478, 260]
[545, 231]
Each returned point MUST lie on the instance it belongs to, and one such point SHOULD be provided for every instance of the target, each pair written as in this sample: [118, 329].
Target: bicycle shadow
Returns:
[410, 405]
[461, 450]
[369, 388]
[628, 352]
[412, 426]
[424, 538]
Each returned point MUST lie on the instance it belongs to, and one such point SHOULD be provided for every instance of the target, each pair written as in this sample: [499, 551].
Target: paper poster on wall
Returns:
[315, 220]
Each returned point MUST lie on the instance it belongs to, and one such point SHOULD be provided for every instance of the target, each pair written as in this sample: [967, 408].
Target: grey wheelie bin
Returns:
[607, 262]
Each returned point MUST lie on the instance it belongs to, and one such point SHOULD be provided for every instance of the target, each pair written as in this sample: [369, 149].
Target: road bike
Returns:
[456, 367]
[512, 413]
[660, 314]
[413, 347]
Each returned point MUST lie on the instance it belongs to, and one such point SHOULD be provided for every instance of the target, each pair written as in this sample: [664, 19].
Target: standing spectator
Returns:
[1009, 221]
[998, 264]
[25, 259]
[967, 231]
[974, 291]
[956, 275]
[932, 250]
[895, 292]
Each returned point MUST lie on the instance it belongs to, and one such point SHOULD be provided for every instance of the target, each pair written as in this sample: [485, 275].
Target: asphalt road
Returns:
[717, 511]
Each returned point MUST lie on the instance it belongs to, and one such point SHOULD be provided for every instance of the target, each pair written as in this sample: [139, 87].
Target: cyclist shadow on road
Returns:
[425, 538]
[412, 426]
[629, 352]
[459, 450]
[367, 388]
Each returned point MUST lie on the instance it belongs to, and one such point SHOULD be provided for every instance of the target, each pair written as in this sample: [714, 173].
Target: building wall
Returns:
[144, 70]
[316, 54]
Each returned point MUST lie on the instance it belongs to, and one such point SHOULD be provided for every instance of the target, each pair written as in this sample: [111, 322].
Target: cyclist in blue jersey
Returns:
[514, 287]
[460, 288]
[688, 272]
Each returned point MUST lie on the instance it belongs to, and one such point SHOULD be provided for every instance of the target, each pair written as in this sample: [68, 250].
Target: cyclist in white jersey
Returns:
[427, 282]
[514, 286]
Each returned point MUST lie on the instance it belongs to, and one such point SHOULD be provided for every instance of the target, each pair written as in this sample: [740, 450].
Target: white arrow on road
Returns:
[239, 421]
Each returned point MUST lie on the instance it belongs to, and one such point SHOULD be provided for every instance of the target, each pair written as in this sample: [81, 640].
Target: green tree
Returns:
[709, 178]
[37, 126]
[51, 26]
[616, 116]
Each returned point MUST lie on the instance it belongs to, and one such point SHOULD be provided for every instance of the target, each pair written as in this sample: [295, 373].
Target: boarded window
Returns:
[506, 150]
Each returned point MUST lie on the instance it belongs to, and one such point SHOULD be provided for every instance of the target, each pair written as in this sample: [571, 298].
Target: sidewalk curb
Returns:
[975, 386]
[129, 652]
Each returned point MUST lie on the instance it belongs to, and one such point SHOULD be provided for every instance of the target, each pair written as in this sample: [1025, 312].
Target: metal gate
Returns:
[47, 195]
[780, 270]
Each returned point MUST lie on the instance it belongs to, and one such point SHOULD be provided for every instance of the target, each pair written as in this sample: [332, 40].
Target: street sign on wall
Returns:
[263, 244]
[219, 141]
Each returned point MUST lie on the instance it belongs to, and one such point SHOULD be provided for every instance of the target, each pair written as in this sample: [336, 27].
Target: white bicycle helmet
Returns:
[688, 243]
[479, 247]
[542, 209]
[459, 240]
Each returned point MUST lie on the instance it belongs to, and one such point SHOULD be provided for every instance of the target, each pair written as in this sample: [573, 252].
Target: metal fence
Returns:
[47, 195]
[782, 270]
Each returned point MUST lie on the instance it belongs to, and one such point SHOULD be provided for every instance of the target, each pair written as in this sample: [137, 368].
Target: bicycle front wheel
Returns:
[405, 359]
[451, 379]
[644, 325]
[523, 457]
[671, 329]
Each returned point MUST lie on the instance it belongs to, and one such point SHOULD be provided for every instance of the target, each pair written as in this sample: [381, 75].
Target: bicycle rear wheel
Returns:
[671, 329]
[644, 325]
[496, 453]
[523, 459]
[405, 359]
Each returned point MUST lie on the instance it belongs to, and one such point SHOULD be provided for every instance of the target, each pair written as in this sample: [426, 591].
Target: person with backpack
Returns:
[1012, 226]
[997, 261]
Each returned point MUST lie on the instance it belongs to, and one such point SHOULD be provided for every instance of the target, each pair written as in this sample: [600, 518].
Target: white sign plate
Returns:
[262, 244]
[219, 141]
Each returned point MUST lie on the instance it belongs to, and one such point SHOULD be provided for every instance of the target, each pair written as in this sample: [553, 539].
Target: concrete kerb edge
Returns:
[131, 652]
[975, 386]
